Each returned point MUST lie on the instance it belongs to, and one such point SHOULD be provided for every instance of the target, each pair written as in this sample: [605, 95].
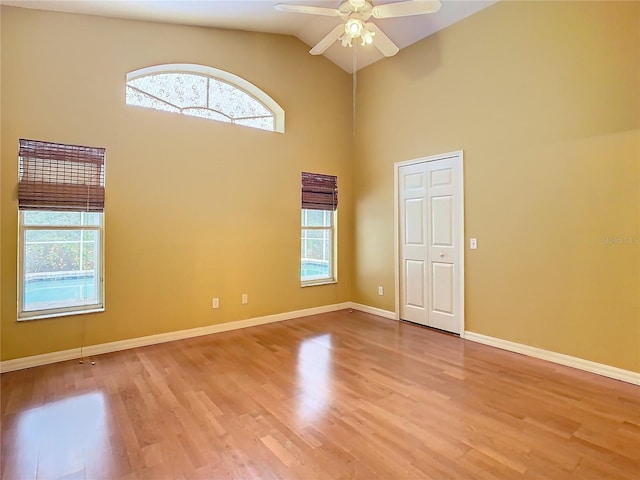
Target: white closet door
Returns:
[431, 243]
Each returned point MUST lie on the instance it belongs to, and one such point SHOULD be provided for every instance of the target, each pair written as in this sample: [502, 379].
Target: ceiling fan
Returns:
[355, 14]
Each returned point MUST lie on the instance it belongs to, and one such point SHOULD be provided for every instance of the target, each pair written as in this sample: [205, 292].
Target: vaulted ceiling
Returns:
[260, 16]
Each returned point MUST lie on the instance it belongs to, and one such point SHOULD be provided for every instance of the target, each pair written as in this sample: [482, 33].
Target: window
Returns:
[317, 246]
[319, 205]
[204, 92]
[61, 202]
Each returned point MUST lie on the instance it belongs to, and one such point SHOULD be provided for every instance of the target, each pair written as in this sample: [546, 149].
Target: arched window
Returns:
[205, 92]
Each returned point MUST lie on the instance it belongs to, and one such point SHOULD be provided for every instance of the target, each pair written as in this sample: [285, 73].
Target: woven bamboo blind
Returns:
[319, 192]
[54, 176]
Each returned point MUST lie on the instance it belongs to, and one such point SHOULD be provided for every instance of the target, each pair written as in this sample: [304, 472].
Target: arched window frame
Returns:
[221, 75]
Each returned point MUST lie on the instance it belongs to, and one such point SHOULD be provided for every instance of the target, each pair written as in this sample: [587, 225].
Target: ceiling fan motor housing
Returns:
[350, 8]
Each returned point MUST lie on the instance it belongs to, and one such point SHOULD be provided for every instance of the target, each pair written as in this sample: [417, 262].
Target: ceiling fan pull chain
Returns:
[354, 83]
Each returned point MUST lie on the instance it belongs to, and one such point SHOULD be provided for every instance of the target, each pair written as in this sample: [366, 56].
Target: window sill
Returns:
[318, 282]
[42, 316]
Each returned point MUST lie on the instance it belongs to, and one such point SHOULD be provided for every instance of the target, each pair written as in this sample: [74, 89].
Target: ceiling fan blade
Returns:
[382, 42]
[326, 42]
[404, 9]
[328, 12]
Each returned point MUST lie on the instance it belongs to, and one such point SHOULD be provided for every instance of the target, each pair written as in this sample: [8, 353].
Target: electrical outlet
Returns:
[215, 303]
[473, 243]
[245, 298]
[380, 290]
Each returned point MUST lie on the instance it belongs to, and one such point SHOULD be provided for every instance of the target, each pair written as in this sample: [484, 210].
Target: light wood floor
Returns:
[334, 396]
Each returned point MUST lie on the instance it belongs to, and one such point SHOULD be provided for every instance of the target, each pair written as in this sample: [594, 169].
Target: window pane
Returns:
[61, 268]
[234, 102]
[204, 113]
[61, 219]
[135, 97]
[179, 89]
[316, 218]
[262, 123]
[316, 255]
[314, 271]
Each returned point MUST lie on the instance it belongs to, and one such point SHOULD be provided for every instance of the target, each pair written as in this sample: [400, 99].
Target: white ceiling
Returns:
[260, 16]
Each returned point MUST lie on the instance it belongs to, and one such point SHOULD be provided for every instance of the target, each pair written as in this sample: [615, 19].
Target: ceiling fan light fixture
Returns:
[354, 27]
[367, 37]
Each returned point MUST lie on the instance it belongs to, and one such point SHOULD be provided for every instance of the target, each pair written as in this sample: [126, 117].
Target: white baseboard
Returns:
[36, 360]
[559, 358]
[372, 310]
[74, 353]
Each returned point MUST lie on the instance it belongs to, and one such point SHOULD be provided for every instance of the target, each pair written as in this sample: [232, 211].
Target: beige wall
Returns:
[544, 99]
[195, 209]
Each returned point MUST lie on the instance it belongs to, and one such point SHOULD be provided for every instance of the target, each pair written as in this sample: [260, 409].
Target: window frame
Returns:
[99, 306]
[217, 74]
[333, 265]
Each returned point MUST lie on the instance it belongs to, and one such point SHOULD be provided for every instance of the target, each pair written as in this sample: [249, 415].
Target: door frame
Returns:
[458, 160]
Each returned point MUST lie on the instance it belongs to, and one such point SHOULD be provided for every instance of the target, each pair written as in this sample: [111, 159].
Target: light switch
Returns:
[473, 243]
